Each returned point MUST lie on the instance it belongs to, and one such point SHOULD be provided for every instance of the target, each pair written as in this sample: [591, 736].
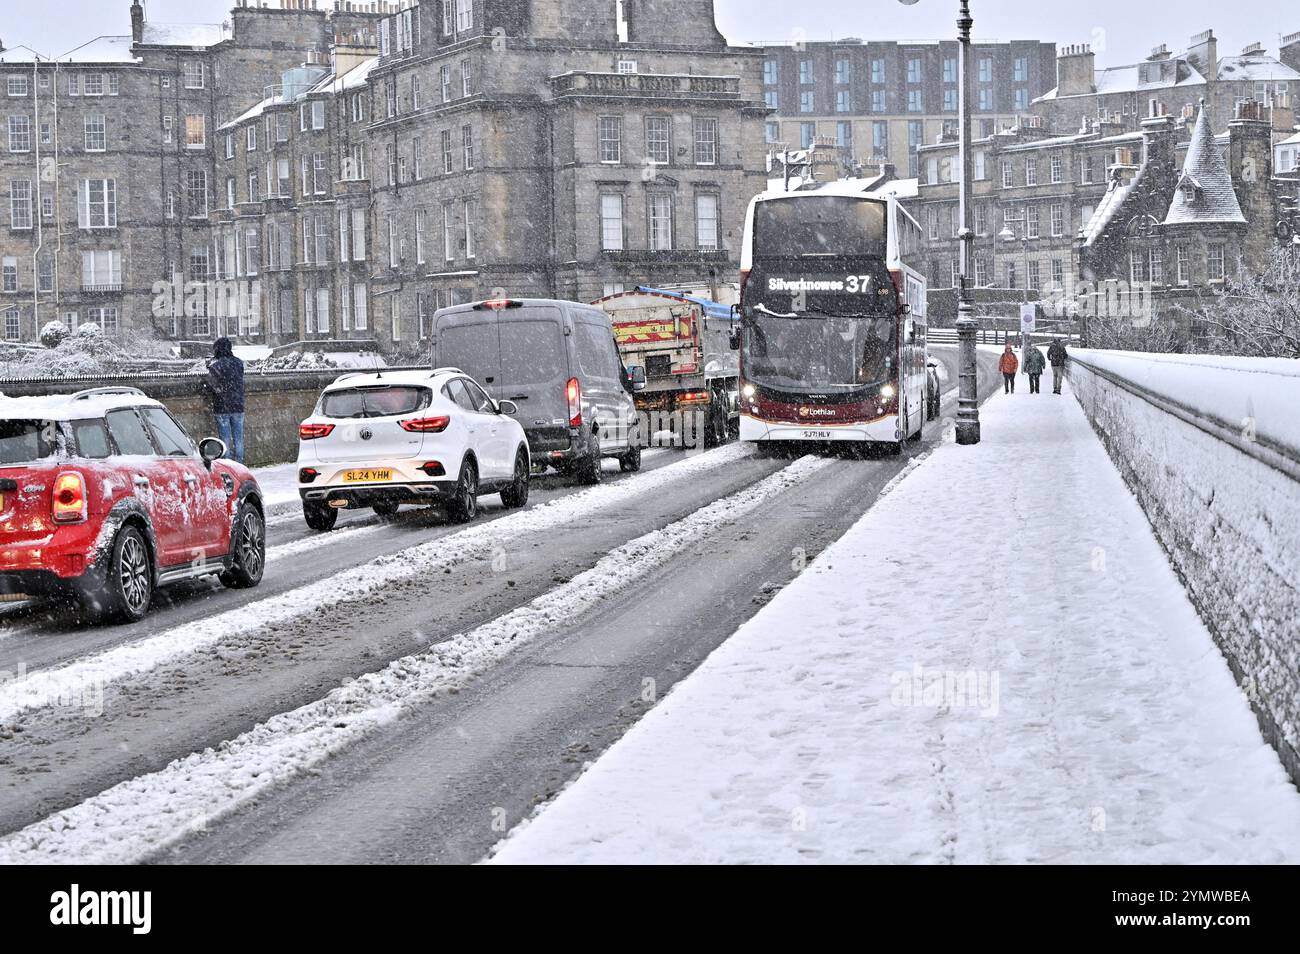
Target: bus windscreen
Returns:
[820, 225]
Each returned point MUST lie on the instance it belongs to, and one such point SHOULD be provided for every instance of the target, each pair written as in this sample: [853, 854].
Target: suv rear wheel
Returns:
[320, 517]
[464, 506]
[127, 588]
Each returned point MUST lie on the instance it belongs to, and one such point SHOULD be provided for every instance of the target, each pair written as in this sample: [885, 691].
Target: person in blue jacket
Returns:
[226, 383]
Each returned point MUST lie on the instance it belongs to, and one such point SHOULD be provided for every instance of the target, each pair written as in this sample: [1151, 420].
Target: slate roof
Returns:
[1204, 194]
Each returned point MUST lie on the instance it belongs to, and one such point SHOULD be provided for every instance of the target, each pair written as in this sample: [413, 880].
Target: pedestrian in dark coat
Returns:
[1035, 365]
[1059, 358]
[225, 382]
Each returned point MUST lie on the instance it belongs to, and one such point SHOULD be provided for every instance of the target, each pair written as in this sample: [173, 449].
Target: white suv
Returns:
[382, 440]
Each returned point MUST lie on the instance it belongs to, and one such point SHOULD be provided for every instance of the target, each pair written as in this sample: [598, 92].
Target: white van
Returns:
[558, 363]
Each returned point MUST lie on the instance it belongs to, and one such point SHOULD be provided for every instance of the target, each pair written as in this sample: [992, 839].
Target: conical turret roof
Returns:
[1204, 194]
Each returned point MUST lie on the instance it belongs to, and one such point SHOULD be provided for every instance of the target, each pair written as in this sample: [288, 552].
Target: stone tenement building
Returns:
[878, 101]
[369, 167]
[107, 157]
[493, 148]
[1171, 205]
[1168, 84]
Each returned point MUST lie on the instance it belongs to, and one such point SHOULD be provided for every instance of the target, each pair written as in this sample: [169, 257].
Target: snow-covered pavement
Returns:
[996, 664]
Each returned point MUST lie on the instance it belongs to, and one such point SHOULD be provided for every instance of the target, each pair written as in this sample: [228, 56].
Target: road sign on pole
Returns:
[1028, 318]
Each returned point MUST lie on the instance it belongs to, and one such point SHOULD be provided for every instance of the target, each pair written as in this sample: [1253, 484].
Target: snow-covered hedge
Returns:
[1211, 448]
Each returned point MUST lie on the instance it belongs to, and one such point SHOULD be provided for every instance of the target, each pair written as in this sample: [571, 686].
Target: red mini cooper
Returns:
[104, 497]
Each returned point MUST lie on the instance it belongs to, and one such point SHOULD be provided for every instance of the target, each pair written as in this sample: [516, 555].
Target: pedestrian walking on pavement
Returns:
[1035, 365]
[1009, 365]
[225, 382]
[1059, 358]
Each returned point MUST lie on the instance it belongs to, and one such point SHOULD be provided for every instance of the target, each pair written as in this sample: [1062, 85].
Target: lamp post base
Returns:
[968, 402]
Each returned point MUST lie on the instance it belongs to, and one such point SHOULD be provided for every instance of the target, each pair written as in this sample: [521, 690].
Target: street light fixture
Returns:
[968, 409]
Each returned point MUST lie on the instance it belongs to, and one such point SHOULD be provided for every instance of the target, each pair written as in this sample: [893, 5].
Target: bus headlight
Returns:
[749, 390]
[888, 391]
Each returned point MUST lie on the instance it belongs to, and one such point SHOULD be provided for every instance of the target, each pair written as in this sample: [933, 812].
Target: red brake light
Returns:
[427, 425]
[311, 432]
[498, 304]
[573, 393]
[69, 498]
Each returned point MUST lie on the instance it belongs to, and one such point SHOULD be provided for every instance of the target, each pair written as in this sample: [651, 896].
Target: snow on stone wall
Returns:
[1223, 495]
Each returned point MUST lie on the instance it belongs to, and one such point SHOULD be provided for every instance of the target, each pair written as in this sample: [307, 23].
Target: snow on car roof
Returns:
[360, 379]
[71, 407]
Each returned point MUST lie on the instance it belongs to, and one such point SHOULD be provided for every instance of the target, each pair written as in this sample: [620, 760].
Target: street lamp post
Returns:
[968, 409]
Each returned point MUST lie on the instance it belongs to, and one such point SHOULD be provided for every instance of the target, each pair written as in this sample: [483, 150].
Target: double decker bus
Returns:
[833, 330]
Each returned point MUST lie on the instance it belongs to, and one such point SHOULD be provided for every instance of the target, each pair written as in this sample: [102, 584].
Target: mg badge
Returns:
[366, 433]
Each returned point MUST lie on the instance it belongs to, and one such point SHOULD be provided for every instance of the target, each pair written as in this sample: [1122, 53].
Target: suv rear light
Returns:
[433, 468]
[308, 475]
[573, 393]
[312, 432]
[426, 425]
[69, 498]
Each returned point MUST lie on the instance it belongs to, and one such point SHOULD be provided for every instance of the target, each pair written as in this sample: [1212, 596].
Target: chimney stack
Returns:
[1204, 55]
[1075, 71]
[137, 22]
[1290, 50]
[1250, 161]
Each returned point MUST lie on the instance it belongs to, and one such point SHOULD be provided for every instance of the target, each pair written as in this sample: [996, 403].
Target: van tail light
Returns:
[70, 498]
[427, 425]
[573, 393]
[312, 432]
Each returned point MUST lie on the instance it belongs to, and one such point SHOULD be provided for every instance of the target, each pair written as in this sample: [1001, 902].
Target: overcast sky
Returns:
[1121, 31]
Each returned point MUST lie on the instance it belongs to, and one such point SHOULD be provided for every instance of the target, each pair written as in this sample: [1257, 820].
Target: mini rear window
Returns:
[24, 441]
[91, 437]
[382, 401]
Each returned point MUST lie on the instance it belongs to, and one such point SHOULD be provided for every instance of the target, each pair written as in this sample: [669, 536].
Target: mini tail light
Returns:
[427, 425]
[312, 432]
[573, 393]
[69, 498]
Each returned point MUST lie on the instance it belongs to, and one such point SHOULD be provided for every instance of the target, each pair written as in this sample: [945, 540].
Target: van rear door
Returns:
[534, 374]
[602, 387]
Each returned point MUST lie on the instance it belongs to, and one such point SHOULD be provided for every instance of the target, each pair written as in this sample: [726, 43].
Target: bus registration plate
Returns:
[818, 436]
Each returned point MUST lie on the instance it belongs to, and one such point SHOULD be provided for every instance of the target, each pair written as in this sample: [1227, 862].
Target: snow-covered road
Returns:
[996, 664]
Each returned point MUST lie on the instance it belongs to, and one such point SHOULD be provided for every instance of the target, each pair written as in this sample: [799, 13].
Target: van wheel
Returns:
[464, 506]
[630, 462]
[127, 587]
[248, 559]
[588, 470]
[320, 517]
[516, 495]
